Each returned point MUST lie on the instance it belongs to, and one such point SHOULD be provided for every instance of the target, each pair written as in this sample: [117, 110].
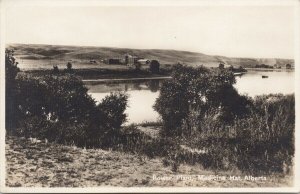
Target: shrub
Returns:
[262, 142]
[55, 98]
[270, 134]
[69, 68]
[55, 70]
[11, 107]
[202, 109]
[154, 66]
[58, 107]
[192, 93]
[113, 107]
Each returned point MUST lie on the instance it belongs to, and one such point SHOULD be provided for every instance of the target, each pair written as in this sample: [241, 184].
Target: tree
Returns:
[193, 93]
[69, 68]
[57, 98]
[221, 66]
[55, 70]
[154, 66]
[60, 109]
[11, 71]
[114, 106]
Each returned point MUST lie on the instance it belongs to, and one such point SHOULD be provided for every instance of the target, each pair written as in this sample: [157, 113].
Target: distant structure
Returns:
[288, 66]
[276, 66]
[113, 61]
[143, 61]
[127, 59]
[130, 59]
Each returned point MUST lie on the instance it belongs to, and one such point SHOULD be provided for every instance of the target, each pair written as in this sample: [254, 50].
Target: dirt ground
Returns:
[41, 164]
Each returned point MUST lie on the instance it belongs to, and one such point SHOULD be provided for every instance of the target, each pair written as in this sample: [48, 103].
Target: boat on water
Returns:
[264, 76]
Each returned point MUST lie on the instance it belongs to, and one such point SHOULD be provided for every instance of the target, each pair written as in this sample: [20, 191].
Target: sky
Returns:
[233, 31]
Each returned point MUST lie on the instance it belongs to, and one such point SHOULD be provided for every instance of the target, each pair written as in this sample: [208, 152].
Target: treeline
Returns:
[264, 66]
[105, 73]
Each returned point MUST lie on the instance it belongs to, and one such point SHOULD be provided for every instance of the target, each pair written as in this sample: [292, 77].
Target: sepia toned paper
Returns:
[149, 96]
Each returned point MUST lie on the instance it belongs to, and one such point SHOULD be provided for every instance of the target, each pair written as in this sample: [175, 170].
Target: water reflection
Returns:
[142, 96]
[252, 83]
[143, 93]
[127, 85]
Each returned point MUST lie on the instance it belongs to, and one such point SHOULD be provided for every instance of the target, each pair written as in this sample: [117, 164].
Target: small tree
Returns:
[107, 119]
[221, 66]
[55, 70]
[114, 106]
[192, 94]
[69, 68]
[154, 66]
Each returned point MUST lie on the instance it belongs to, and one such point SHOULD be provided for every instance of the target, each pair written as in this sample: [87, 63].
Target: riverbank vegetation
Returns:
[204, 120]
[108, 73]
[203, 109]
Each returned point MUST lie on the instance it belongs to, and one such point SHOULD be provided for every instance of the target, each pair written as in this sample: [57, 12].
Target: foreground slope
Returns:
[41, 164]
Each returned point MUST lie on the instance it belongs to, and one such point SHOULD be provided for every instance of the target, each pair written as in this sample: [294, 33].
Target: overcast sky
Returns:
[233, 31]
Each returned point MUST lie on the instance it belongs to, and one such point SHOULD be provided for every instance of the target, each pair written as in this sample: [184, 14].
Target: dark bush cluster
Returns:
[204, 111]
[154, 66]
[58, 108]
[195, 93]
[11, 70]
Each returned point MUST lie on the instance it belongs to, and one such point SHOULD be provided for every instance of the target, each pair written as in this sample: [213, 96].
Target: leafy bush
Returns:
[58, 107]
[69, 68]
[203, 109]
[262, 142]
[154, 66]
[11, 107]
[70, 117]
[56, 98]
[113, 107]
[193, 93]
[267, 135]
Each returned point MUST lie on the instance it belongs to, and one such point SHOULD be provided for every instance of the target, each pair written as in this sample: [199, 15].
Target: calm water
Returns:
[143, 93]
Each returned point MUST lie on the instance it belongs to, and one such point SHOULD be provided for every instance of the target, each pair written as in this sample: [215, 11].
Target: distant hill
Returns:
[35, 52]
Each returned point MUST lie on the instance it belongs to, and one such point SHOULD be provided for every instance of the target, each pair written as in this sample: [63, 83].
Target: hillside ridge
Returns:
[49, 52]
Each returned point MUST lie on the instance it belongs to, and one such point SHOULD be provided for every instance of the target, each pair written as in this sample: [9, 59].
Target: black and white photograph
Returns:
[141, 96]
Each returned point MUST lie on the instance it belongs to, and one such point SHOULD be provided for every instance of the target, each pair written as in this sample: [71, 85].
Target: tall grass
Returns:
[262, 142]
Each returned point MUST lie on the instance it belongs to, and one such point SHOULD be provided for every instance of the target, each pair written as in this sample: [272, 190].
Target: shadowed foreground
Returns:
[41, 164]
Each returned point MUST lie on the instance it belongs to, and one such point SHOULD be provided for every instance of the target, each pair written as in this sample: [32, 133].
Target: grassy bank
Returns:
[37, 164]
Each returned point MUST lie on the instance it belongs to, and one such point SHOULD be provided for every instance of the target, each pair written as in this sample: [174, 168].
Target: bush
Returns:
[11, 107]
[113, 106]
[55, 70]
[202, 109]
[270, 128]
[55, 98]
[262, 142]
[193, 93]
[58, 107]
[154, 66]
[69, 68]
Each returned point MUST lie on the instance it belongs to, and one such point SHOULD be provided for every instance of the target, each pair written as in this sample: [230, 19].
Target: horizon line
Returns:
[216, 55]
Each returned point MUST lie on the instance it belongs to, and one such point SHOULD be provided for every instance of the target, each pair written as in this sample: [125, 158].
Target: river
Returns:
[143, 93]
